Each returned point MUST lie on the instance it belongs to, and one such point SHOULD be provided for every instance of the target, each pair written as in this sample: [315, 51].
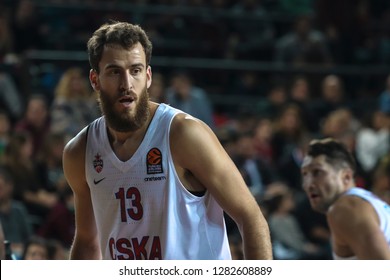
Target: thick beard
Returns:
[125, 122]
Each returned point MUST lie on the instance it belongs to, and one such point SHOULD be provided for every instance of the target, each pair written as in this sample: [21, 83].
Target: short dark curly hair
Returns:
[117, 33]
[336, 153]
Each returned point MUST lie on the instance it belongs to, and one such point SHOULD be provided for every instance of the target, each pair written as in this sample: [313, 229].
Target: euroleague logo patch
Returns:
[98, 163]
[154, 161]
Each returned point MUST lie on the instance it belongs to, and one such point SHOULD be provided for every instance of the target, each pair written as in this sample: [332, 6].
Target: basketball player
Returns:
[358, 220]
[150, 181]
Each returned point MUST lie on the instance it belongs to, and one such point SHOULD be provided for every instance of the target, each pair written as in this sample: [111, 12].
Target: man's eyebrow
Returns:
[314, 165]
[109, 66]
[137, 65]
[134, 65]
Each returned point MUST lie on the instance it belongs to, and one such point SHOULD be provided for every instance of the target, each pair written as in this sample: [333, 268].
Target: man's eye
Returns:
[316, 172]
[136, 71]
[114, 72]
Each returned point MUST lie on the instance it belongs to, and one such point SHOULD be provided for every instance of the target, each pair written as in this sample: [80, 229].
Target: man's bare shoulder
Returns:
[191, 140]
[349, 210]
[185, 126]
[184, 123]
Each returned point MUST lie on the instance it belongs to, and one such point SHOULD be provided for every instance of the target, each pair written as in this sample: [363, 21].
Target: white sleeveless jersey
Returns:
[381, 208]
[141, 208]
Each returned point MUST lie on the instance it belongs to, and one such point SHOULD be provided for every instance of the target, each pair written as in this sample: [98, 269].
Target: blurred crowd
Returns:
[43, 105]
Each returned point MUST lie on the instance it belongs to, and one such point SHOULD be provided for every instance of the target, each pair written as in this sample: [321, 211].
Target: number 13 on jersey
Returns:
[133, 209]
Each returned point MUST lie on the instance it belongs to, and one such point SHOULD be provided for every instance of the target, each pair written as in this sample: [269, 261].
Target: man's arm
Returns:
[355, 224]
[85, 244]
[196, 149]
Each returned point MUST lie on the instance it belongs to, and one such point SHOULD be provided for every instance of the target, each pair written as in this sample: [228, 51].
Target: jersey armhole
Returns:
[87, 131]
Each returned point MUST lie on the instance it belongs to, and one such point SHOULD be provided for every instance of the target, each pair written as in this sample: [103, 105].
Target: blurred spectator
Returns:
[228, 138]
[245, 121]
[56, 250]
[39, 248]
[28, 187]
[36, 121]
[289, 241]
[5, 132]
[303, 45]
[184, 95]
[157, 88]
[36, 248]
[60, 222]
[343, 126]
[333, 90]
[300, 89]
[262, 138]
[49, 162]
[332, 97]
[74, 105]
[289, 130]
[255, 171]
[339, 122]
[289, 167]
[10, 98]
[373, 140]
[300, 94]
[13, 215]
[275, 100]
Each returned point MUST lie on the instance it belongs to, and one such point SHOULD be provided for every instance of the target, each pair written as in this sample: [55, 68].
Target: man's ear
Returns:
[348, 176]
[148, 76]
[94, 80]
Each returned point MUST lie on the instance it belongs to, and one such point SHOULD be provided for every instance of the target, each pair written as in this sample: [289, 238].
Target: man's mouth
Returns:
[126, 100]
[314, 196]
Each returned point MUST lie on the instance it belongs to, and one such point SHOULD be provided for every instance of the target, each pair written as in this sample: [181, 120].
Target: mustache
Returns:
[126, 95]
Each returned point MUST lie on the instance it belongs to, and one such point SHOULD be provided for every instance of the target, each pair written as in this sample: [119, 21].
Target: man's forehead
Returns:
[116, 55]
[135, 51]
[309, 161]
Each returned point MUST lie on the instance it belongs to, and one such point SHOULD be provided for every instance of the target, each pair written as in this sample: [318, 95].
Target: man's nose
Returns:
[126, 81]
[306, 182]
